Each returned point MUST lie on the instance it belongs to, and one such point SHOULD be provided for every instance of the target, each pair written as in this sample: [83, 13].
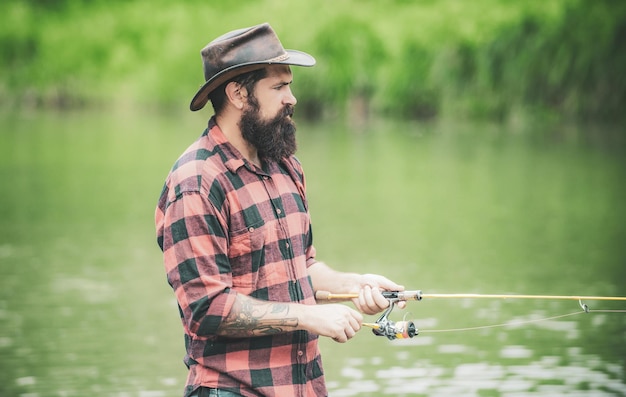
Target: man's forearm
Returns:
[252, 317]
[327, 279]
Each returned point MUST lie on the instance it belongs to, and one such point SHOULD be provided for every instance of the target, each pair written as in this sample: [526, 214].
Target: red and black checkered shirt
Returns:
[227, 227]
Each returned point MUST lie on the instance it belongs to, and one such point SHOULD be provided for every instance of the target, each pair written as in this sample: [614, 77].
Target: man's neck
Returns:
[230, 129]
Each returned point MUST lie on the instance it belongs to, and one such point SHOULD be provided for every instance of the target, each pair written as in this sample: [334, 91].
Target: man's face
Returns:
[266, 121]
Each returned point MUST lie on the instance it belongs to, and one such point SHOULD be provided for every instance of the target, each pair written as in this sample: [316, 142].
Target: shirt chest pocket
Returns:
[246, 254]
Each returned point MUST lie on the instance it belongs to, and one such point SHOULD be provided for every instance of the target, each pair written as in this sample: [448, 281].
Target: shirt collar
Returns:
[233, 159]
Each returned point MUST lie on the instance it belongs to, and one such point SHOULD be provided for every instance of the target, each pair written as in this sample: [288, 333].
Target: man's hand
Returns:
[335, 321]
[371, 300]
[368, 286]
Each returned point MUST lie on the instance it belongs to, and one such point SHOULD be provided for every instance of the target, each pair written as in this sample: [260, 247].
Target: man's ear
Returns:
[236, 94]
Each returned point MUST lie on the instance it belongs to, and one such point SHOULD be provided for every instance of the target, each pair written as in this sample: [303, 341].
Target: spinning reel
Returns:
[395, 330]
[383, 326]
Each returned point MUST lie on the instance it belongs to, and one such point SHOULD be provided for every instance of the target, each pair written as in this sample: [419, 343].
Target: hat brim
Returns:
[296, 58]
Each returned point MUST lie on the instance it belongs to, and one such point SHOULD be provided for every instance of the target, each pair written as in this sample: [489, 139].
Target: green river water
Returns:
[85, 309]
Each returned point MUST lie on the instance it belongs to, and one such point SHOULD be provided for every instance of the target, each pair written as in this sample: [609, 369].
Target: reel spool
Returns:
[392, 330]
[399, 330]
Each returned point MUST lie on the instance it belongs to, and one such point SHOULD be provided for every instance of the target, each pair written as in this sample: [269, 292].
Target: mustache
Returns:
[287, 111]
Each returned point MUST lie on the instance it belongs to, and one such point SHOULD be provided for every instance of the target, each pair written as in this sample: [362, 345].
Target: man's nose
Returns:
[290, 99]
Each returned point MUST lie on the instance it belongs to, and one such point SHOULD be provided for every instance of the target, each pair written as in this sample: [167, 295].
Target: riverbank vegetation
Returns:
[492, 59]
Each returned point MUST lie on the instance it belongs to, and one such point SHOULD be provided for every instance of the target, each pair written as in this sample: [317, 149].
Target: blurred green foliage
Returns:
[412, 59]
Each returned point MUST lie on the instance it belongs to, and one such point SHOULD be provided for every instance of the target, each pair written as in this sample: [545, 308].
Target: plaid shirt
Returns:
[227, 227]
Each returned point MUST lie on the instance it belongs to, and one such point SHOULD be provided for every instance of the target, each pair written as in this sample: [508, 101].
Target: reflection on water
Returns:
[586, 375]
[528, 369]
[85, 308]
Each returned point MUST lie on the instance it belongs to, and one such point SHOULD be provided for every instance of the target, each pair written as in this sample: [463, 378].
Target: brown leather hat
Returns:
[241, 51]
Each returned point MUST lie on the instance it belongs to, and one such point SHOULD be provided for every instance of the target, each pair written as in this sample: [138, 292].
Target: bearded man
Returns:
[234, 227]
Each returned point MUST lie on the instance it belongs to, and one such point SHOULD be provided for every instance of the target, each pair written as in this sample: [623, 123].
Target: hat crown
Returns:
[258, 44]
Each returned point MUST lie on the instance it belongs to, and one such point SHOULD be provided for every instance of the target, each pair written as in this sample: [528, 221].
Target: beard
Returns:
[273, 139]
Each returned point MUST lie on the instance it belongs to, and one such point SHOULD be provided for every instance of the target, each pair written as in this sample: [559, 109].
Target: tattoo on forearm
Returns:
[249, 317]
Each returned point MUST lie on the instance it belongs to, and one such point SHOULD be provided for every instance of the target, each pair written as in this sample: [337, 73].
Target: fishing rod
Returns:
[406, 329]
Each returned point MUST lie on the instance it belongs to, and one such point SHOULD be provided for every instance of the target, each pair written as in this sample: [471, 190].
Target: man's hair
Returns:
[246, 80]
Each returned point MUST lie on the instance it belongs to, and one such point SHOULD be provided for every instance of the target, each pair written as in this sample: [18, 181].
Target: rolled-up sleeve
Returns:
[193, 236]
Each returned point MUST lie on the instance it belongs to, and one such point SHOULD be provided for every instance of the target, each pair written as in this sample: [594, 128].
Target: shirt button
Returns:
[300, 353]
[278, 211]
[250, 229]
[287, 245]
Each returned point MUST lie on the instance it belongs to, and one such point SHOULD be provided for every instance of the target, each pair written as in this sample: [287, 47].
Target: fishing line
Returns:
[516, 323]
[407, 329]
